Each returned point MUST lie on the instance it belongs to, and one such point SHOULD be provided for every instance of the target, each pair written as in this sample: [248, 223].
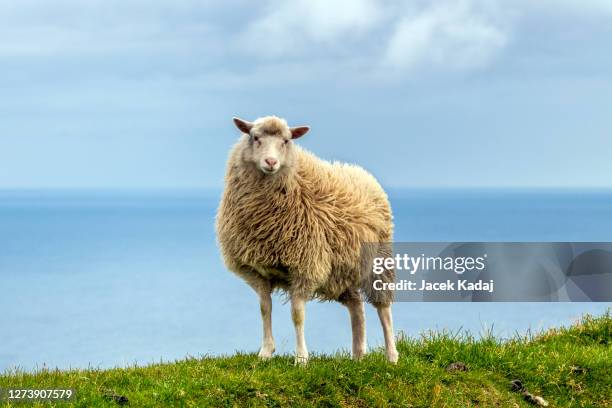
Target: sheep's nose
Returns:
[271, 162]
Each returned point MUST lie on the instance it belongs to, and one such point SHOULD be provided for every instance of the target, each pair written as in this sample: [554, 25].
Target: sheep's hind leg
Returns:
[297, 315]
[357, 313]
[386, 320]
[265, 306]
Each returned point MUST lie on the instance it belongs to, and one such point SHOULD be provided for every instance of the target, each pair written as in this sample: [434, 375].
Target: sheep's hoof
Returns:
[301, 360]
[393, 356]
[265, 353]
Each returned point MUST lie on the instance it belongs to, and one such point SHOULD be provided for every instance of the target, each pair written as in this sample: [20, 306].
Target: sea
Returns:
[100, 279]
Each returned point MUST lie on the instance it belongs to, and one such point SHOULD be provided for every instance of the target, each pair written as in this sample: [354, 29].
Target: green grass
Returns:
[567, 367]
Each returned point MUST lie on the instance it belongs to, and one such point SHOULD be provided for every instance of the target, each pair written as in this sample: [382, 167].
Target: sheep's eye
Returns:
[286, 141]
[255, 138]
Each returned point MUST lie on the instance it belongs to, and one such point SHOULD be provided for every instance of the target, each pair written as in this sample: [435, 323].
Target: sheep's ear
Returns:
[243, 125]
[299, 131]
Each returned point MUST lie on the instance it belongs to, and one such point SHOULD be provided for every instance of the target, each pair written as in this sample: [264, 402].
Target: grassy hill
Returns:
[566, 367]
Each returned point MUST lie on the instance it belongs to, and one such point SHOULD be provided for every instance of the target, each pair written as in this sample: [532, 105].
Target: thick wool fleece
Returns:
[302, 229]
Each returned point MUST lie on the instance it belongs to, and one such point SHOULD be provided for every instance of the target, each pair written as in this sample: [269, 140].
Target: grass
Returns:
[568, 367]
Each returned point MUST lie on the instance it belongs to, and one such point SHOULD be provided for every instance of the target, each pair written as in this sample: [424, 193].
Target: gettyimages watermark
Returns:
[491, 272]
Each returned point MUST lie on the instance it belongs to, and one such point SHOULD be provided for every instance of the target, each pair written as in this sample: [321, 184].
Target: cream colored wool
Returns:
[308, 222]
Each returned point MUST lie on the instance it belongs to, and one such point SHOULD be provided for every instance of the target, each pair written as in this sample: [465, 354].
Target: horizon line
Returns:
[143, 189]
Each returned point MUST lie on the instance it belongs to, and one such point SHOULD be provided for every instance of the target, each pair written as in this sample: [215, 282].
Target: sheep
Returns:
[291, 221]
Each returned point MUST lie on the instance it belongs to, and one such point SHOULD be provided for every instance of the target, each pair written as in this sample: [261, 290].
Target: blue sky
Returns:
[140, 94]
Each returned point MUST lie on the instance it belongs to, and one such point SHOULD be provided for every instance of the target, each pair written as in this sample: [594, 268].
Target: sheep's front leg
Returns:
[386, 320]
[357, 313]
[265, 306]
[297, 315]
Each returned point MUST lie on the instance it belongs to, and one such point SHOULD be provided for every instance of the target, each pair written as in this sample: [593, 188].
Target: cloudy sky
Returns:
[140, 94]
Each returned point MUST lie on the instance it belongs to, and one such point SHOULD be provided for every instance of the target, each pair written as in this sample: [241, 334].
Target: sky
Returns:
[463, 93]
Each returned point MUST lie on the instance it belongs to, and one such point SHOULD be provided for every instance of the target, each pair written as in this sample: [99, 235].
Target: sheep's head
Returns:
[270, 145]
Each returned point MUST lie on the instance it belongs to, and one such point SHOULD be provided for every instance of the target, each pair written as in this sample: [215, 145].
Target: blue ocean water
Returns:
[104, 279]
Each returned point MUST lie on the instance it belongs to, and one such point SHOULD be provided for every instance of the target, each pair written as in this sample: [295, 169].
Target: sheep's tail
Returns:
[369, 252]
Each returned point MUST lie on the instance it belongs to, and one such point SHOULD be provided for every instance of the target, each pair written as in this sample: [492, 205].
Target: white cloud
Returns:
[347, 39]
[407, 36]
[290, 26]
[448, 35]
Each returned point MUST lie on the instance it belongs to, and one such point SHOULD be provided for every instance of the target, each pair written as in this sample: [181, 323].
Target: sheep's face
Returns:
[270, 142]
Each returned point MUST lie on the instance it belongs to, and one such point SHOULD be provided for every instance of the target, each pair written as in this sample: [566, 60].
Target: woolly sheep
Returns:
[291, 221]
